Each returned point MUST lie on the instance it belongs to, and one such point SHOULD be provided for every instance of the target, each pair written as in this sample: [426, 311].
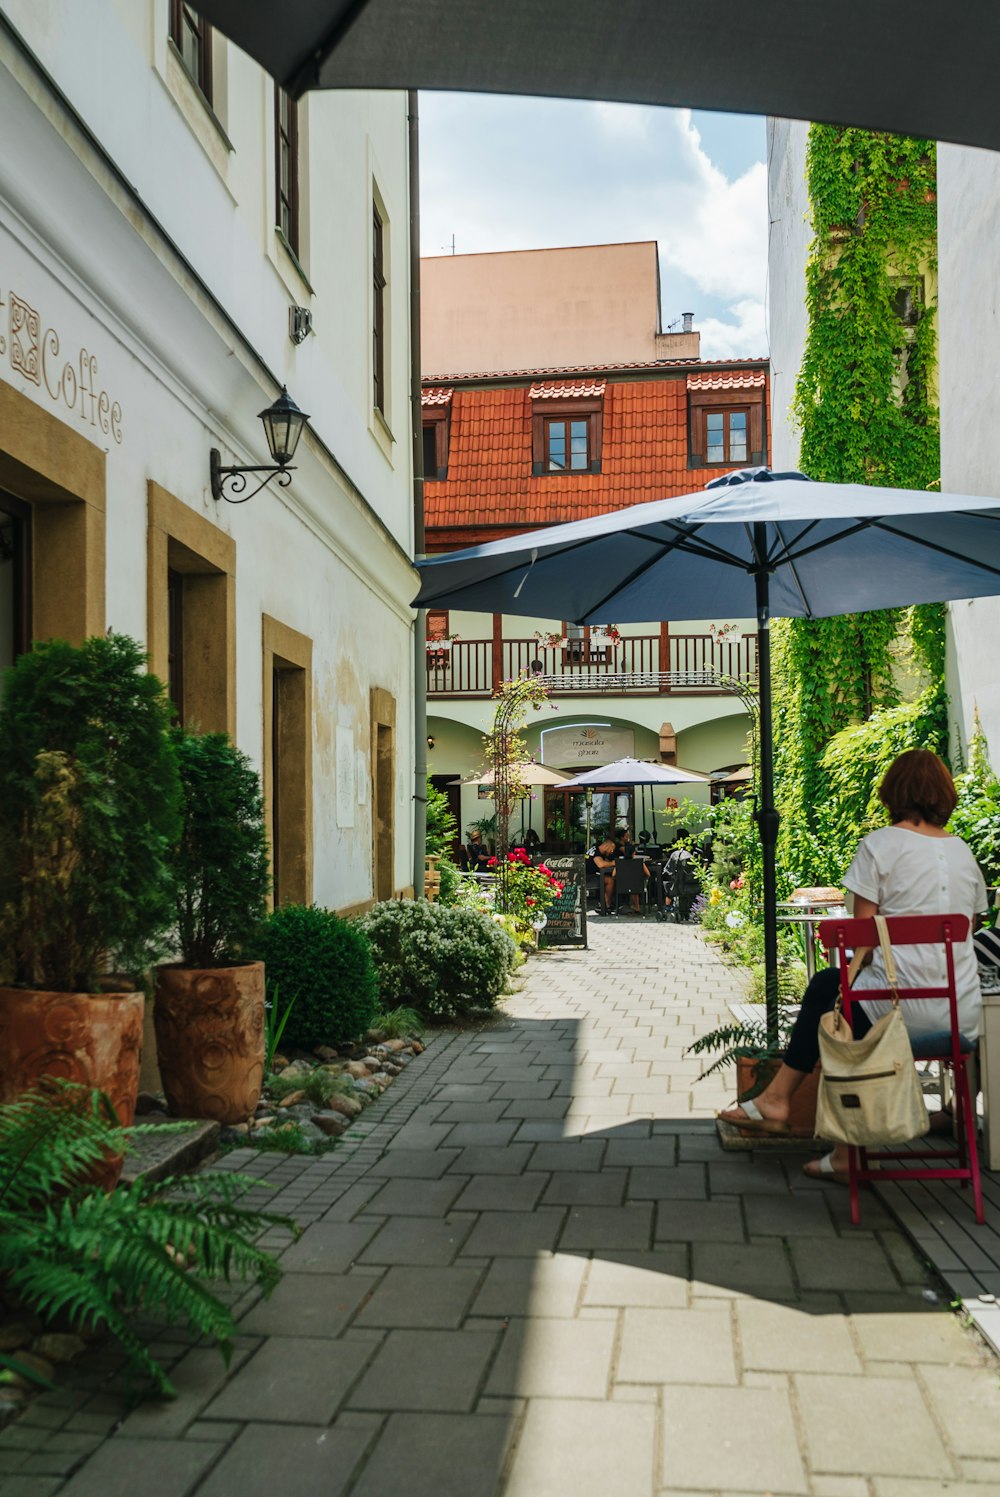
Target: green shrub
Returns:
[89, 797]
[322, 966]
[68, 1247]
[220, 861]
[445, 962]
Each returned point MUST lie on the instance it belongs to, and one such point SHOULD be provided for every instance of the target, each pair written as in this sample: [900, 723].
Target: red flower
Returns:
[491, 862]
[530, 901]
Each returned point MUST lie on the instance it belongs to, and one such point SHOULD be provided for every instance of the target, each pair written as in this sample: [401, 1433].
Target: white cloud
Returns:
[741, 338]
[510, 173]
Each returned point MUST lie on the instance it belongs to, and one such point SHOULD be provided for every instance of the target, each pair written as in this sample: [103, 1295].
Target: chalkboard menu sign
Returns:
[567, 917]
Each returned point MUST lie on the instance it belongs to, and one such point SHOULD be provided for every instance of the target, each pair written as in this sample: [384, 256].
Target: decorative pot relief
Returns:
[210, 1039]
[94, 1039]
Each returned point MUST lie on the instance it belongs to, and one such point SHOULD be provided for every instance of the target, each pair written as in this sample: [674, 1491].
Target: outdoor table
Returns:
[808, 913]
[989, 1076]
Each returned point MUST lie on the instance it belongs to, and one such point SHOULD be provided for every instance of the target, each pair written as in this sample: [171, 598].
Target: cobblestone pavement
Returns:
[531, 1271]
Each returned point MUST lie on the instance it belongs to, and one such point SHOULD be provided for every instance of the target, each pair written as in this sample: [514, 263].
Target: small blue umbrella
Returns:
[750, 543]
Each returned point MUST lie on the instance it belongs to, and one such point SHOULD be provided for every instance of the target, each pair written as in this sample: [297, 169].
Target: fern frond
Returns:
[69, 1248]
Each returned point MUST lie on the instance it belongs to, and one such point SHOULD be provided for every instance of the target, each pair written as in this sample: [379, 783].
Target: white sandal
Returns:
[823, 1169]
[753, 1120]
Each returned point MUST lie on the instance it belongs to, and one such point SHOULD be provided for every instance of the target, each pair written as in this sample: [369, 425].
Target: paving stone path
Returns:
[532, 1272]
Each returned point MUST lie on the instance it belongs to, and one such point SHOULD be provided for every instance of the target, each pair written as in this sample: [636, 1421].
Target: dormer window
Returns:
[567, 422]
[726, 427]
[436, 412]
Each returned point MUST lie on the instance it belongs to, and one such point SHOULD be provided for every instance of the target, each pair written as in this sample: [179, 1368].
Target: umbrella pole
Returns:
[767, 815]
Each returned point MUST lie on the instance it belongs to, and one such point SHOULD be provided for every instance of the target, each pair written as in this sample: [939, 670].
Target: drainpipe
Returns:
[416, 422]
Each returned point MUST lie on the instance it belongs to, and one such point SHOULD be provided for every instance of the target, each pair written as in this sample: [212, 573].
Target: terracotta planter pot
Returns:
[210, 1039]
[91, 1038]
[802, 1118]
[94, 1039]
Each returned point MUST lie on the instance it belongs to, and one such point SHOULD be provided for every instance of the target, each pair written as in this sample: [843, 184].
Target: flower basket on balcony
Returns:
[439, 646]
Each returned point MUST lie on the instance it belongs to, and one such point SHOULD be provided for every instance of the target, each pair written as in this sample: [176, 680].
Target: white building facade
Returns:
[969, 345]
[167, 224]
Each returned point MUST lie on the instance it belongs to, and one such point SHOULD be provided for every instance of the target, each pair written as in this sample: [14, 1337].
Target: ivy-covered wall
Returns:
[866, 406]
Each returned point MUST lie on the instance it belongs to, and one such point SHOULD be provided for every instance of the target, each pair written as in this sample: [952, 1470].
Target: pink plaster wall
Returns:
[532, 309]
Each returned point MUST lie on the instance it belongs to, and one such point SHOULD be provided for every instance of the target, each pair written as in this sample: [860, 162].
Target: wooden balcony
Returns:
[471, 668]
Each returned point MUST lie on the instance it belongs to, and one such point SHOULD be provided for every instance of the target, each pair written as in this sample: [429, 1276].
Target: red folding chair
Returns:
[949, 1047]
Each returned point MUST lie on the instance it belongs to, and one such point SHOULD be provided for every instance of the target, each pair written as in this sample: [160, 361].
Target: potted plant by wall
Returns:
[89, 799]
[209, 1008]
[756, 1058]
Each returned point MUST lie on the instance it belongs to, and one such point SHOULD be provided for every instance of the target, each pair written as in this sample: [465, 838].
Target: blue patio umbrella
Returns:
[751, 543]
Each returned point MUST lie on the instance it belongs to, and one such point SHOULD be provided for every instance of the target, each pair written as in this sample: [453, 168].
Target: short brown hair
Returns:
[918, 783]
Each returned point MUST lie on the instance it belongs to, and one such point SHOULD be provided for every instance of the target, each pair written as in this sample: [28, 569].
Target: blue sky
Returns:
[515, 173]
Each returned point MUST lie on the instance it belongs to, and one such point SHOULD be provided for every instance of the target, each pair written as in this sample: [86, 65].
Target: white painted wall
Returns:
[788, 249]
[181, 290]
[969, 298]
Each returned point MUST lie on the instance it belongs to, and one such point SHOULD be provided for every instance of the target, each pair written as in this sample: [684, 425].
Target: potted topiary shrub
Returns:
[209, 1008]
[88, 809]
[323, 966]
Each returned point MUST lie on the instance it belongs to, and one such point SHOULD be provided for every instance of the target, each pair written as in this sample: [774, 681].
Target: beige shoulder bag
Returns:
[869, 1091]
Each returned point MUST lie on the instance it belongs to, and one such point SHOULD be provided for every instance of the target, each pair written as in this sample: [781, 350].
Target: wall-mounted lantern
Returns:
[283, 426]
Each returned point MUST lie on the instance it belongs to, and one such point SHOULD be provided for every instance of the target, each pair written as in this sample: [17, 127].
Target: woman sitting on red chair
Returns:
[912, 867]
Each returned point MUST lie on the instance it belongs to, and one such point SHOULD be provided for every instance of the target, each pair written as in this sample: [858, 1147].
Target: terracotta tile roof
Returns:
[435, 397]
[490, 483]
[667, 365]
[733, 380]
[566, 389]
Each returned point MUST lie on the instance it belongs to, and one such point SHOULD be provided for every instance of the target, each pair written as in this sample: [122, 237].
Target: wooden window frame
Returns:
[438, 624]
[572, 409]
[196, 557]
[439, 420]
[702, 403]
[378, 311]
[382, 711]
[286, 194]
[288, 759]
[726, 412]
[185, 18]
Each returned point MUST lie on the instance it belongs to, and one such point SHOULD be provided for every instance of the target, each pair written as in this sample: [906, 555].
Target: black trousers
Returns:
[820, 997]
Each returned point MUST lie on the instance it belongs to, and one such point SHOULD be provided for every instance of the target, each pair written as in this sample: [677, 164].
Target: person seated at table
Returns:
[476, 853]
[681, 885]
[911, 867]
[532, 841]
[647, 847]
[624, 847]
[605, 861]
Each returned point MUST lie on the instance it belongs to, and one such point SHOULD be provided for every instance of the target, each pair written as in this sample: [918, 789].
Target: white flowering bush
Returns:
[442, 960]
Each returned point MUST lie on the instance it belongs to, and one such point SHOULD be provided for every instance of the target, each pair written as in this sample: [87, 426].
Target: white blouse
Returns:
[905, 872]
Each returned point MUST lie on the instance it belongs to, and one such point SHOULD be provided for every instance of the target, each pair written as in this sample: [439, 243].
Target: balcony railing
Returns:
[476, 667]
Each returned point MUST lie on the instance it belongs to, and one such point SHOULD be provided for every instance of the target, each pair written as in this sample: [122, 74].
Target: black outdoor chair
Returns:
[681, 886]
[630, 878]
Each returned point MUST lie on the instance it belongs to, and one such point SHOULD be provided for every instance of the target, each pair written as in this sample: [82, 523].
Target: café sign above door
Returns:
[69, 376]
[586, 744]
